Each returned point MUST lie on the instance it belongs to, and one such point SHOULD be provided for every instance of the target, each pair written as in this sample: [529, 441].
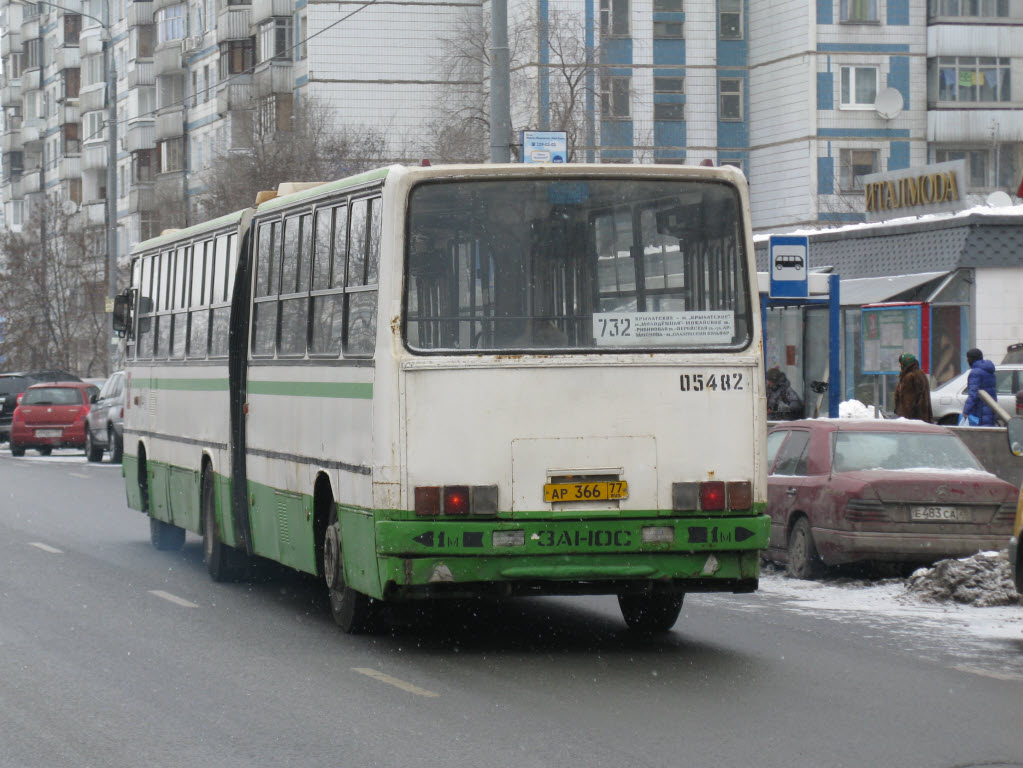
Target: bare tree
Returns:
[300, 144]
[546, 53]
[52, 290]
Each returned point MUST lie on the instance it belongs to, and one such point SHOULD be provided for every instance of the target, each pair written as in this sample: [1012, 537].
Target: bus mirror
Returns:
[122, 312]
[1014, 431]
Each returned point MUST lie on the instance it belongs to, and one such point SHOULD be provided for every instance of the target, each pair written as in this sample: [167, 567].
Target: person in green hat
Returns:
[913, 392]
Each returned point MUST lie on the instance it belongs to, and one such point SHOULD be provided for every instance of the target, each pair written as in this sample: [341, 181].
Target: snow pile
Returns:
[983, 580]
[854, 409]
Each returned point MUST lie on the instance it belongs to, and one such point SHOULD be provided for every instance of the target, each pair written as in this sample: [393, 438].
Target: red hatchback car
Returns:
[51, 416]
[906, 492]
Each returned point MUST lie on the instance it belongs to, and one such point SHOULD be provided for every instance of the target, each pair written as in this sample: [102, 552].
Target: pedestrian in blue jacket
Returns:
[981, 378]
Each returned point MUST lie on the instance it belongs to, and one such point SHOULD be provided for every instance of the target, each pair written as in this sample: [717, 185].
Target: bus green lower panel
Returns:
[130, 472]
[282, 526]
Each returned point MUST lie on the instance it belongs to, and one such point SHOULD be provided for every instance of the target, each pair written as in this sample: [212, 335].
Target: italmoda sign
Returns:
[931, 189]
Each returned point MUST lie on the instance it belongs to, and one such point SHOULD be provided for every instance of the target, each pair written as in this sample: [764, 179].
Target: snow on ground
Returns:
[972, 596]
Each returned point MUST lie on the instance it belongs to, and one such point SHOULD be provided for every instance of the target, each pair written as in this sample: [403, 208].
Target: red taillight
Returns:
[18, 416]
[122, 411]
[712, 496]
[456, 500]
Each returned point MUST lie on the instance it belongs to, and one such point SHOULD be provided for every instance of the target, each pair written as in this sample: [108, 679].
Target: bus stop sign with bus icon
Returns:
[790, 266]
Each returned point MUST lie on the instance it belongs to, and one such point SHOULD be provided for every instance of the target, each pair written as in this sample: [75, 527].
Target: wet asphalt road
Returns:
[113, 654]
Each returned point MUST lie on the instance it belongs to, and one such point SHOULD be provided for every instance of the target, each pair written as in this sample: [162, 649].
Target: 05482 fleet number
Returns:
[698, 382]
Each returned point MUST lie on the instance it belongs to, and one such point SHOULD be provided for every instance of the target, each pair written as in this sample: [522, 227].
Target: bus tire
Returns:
[219, 557]
[93, 452]
[164, 536]
[353, 611]
[650, 612]
[804, 562]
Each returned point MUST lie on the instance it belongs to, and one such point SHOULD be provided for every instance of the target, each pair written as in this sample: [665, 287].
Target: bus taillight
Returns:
[455, 500]
[740, 495]
[712, 496]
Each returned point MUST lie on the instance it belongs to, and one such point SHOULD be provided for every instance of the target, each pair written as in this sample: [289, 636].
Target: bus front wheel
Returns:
[352, 611]
[220, 558]
[650, 612]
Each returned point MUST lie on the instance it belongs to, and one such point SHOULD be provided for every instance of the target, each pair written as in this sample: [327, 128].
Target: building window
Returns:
[668, 6]
[33, 50]
[986, 168]
[275, 38]
[732, 161]
[730, 98]
[730, 19]
[301, 51]
[614, 18]
[668, 29]
[614, 97]
[859, 87]
[978, 8]
[170, 23]
[858, 11]
[236, 57]
[668, 98]
[143, 166]
[970, 79]
[855, 164]
[172, 155]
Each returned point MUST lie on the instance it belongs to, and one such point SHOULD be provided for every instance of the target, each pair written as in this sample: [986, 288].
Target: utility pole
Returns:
[500, 86]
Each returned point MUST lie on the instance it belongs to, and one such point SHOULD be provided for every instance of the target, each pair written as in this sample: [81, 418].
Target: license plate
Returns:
[49, 432]
[942, 514]
[599, 491]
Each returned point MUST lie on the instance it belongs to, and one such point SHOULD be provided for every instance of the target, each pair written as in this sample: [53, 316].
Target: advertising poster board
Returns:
[888, 330]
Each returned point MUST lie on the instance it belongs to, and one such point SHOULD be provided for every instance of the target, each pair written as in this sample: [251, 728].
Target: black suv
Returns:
[14, 384]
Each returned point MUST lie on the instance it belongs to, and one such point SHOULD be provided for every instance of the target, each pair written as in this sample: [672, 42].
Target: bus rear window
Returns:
[585, 265]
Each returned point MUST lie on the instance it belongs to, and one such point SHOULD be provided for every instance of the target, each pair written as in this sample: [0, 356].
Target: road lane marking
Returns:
[46, 548]
[173, 598]
[77, 474]
[395, 682]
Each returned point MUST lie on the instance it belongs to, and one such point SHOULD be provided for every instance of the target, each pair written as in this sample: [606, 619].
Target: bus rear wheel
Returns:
[221, 560]
[353, 611]
[650, 612]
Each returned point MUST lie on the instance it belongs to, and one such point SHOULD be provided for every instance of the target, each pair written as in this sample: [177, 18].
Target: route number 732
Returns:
[698, 382]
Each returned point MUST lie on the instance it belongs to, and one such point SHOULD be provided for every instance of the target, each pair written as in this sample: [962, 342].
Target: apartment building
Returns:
[806, 96]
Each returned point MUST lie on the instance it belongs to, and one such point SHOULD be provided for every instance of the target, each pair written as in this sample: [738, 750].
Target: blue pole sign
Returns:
[789, 260]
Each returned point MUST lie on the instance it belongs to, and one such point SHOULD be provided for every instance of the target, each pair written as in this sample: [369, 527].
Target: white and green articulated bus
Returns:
[457, 381]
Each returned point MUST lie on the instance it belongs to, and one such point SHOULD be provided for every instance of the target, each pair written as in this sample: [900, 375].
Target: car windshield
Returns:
[52, 396]
[900, 450]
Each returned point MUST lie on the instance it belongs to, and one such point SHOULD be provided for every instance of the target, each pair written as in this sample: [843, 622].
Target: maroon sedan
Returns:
[51, 416]
[879, 491]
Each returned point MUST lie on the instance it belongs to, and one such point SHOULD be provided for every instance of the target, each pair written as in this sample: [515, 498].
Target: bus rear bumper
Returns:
[427, 559]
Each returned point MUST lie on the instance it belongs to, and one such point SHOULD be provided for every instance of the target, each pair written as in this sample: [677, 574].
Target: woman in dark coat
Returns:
[913, 392]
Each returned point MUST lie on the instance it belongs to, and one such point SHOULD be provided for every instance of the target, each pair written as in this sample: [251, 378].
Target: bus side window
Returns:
[363, 258]
[179, 318]
[162, 282]
[144, 311]
[294, 303]
[328, 281]
[199, 316]
[264, 310]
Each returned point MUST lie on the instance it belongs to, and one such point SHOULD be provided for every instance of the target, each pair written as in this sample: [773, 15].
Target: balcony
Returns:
[30, 80]
[170, 185]
[10, 93]
[30, 28]
[31, 181]
[233, 23]
[10, 42]
[67, 57]
[68, 113]
[274, 76]
[32, 130]
[95, 212]
[167, 60]
[170, 125]
[93, 98]
[142, 197]
[140, 13]
[160, 4]
[141, 74]
[266, 9]
[90, 42]
[10, 141]
[94, 156]
[235, 94]
[140, 135]
[69, 168]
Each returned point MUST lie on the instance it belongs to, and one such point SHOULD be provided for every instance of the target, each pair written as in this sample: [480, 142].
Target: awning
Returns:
[871, 290]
